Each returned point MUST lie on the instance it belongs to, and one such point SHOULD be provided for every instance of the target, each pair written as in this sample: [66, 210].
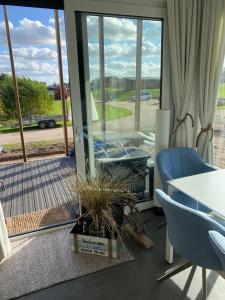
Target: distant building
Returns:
[55, 90]
[126, 83]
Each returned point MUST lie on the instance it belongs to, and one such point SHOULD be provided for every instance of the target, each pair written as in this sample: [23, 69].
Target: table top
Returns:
[207, 188]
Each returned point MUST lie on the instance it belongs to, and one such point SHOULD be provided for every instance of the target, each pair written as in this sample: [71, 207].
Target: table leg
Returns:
[169, 250]
[169, 247]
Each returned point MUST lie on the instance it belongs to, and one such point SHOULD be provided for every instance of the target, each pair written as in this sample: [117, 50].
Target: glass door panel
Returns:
[122, 67]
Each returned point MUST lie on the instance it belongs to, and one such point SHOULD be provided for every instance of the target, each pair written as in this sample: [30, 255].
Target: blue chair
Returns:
[188, 233]
[218, 243]
[180, 162]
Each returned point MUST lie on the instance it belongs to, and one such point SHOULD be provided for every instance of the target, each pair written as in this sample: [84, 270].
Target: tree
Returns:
[34, 98]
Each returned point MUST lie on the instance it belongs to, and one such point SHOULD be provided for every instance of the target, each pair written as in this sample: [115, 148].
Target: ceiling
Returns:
[57, 4]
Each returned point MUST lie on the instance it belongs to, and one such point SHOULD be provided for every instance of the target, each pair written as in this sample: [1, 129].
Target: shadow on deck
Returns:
[38, 188]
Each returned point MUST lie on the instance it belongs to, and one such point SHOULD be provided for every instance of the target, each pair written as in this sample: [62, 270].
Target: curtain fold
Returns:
[5, 247]
[211, 58]
[183, 17]
[197, 46]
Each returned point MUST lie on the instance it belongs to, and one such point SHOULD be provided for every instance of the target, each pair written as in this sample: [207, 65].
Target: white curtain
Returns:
[211, 56]
[183, 17]
[4, 240]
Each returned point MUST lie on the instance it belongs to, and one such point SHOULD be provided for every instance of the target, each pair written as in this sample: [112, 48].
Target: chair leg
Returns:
[204, 284]
[174, 271]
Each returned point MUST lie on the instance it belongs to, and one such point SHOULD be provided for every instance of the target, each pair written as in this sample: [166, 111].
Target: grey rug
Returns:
[45, 260]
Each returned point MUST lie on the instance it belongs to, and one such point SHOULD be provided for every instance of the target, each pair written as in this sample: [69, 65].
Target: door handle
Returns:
[78, 135]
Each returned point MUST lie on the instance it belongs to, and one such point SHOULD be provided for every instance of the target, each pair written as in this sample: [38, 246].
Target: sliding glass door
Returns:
[120, 70]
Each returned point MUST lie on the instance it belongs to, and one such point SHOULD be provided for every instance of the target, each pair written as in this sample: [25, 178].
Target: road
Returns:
[125, 124]
[35, 135]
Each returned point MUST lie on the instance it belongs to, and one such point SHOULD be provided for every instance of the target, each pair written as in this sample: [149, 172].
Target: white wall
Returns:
[148, 3]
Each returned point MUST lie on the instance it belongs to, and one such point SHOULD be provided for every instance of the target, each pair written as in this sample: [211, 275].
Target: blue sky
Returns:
[34, 46]
[120, 47]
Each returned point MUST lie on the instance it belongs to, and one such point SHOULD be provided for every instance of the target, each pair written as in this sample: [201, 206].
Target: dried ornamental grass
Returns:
[102, 198]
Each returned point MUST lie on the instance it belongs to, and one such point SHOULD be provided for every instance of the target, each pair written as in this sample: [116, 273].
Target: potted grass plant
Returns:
[98, 228]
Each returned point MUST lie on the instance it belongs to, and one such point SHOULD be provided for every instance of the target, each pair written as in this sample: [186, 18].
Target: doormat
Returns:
[42, 261]
[35, 220]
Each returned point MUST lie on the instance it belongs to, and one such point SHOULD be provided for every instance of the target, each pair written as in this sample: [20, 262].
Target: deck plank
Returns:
[46, 168]
[37, 185]
[7, 194]
[66, 176]
[55, 182]
[28, 199]
[39, 191]
[17, 191]
[2, 177]
[51, 200]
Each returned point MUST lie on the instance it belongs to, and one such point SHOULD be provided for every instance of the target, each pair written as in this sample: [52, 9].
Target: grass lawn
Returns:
[113, 112]
[222, 91]
[57, 107]
[127, 95]
[108, 91]
[30, 146]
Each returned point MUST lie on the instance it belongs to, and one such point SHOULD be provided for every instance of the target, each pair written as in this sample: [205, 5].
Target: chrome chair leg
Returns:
[204, 284]
[174, 271]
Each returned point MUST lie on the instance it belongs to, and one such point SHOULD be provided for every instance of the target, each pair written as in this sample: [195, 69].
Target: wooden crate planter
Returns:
[95, 245]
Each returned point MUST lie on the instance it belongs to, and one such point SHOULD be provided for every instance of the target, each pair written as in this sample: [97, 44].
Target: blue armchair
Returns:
[188, 233]
[218, 243]
[180, 162]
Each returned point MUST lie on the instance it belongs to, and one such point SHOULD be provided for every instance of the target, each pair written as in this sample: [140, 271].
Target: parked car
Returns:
[145, 95]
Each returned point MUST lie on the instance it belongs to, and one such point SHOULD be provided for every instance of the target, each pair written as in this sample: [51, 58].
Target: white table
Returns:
[207, 188]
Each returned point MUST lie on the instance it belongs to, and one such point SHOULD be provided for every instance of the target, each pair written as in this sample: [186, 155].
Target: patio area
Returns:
[38, 192]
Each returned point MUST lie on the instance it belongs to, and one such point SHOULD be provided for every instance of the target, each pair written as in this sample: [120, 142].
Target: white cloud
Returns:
[126, 69]
[117, 29]
[4, 57]
[150, 49]
[35, 53]
[40, 63]
[125, 50]
[2, 26]
[48, 68]
[29, 32]
[151, 70]
[152, 28]
[120, 69]
[120, 29]
[34, 48]
[52, 21]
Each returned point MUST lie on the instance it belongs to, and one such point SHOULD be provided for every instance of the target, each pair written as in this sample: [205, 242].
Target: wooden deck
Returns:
[37, 185]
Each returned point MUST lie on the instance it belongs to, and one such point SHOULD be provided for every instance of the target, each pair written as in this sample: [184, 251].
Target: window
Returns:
[219, 126]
